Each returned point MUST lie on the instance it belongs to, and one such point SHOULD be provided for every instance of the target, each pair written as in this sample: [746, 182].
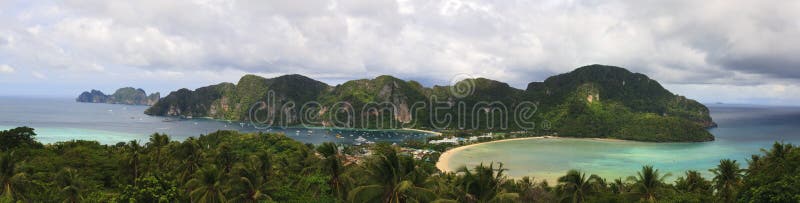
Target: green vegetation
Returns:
[125, 95]
[607, 101]
[185, 102]
[591, 101]
[234, 101]
[227, 166]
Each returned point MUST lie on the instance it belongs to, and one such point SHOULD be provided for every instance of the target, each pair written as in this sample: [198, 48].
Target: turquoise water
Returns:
[742, 131]
[63, 119]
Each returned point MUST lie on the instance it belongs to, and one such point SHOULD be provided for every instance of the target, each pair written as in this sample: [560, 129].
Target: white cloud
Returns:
[6, 69]
[38, 75]
[736, 42]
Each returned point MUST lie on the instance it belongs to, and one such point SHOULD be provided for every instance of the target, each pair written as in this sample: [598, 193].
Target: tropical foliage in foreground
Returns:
[227, 166]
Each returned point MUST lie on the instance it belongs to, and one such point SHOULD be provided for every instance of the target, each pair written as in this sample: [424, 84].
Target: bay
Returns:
[63, 119]
[743, 130]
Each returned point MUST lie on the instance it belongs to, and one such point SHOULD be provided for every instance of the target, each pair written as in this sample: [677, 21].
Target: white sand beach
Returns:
[444, 159]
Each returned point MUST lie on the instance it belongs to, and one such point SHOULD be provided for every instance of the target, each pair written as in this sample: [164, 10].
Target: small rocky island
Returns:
[125, 95]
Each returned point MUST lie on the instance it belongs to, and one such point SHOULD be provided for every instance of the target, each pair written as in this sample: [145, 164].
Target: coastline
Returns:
[444, 159]
[317, 127]
[422, 131]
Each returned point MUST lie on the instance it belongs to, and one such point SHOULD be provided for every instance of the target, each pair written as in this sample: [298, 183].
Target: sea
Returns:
[64, 119]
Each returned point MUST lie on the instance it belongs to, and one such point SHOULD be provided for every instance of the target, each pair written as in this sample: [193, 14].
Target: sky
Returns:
[732, 51]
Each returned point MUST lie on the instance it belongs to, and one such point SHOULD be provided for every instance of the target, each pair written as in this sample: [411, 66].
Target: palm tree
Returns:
[134, 152]
[774, 159]
[778, 151]
[727, 179]
[484, 184]
[443, 184]
[262, 161]
[207, 185]
[575, 186]
[71, 185]
[333, 165]
[157, 143]
[525, 187]
[189, 152]
[14, 182]
[648, 181]
[526, 183]
[619, 186]
[225, 157]
[394, 180]
[249, 185]
[693, 182]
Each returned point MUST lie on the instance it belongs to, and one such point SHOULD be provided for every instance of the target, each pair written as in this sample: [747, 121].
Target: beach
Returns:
[444, 160]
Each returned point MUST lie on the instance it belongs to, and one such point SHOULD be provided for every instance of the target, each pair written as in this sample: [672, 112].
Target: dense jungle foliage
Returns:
[227, 166]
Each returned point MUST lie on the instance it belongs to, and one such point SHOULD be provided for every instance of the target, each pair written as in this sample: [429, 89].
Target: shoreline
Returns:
[443, 163]
[422, 131]
[309, 127]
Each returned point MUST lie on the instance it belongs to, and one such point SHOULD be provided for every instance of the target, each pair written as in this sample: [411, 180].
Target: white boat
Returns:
[361, 139]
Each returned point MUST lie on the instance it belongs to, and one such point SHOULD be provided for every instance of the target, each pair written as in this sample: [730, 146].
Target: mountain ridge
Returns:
[590, 101]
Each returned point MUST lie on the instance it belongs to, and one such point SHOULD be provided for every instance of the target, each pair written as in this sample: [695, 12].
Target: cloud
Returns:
[732, 43]
[38, 75]
[6, 69]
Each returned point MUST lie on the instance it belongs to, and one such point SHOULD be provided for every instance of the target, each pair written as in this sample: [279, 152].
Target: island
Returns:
[595, 101]
[125, 95]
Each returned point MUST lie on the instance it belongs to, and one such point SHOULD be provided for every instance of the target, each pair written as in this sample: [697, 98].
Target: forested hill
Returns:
[591, 101]
[608, 101]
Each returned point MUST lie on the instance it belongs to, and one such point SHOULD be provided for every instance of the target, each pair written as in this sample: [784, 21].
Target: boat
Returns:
[339, 136]
[360, 139]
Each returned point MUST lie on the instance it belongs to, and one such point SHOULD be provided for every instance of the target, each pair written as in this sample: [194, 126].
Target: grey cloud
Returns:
[734, 42]
[781, 67]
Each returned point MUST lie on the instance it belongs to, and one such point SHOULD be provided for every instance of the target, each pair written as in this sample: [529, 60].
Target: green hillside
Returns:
[591, 101]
